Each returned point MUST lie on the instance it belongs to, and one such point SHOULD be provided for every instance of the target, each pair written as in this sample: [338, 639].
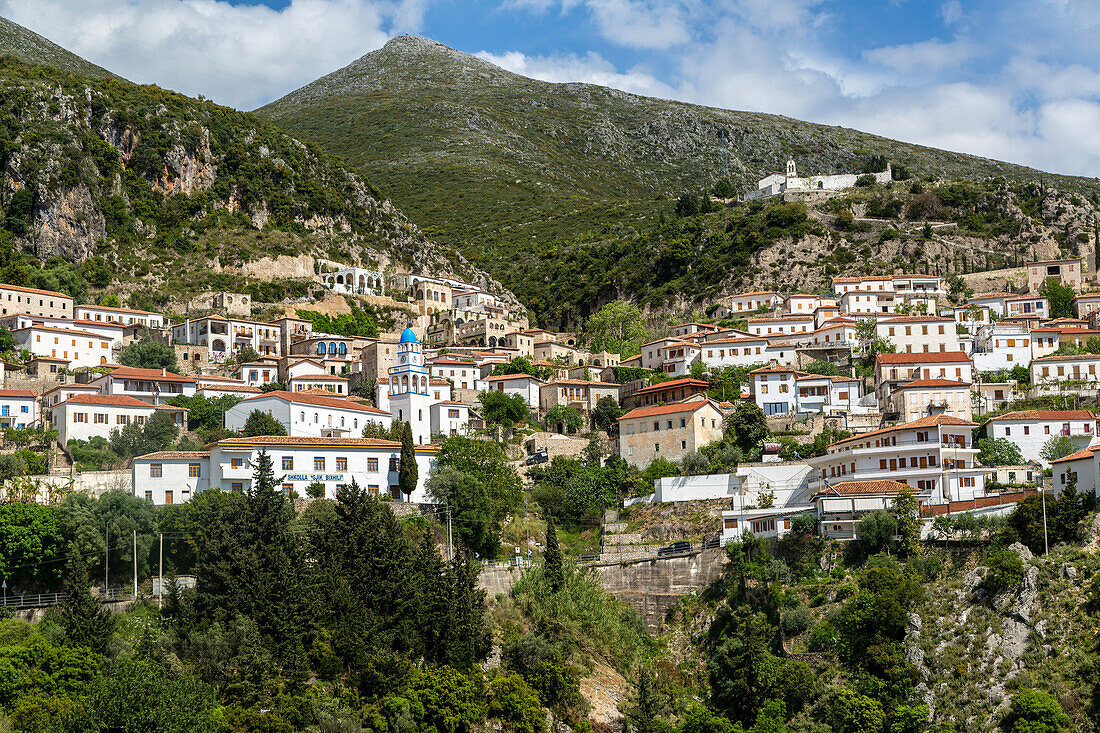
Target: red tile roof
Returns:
[1046, 415]
[878, 486]
[1083, 453]
[672, 384]
[263, 440]
[106, 399]
[924, 422]
[930, 357]
[689, 405]
[54, 293]
[67, 331]
[153, 375]
[218, 386]
[319, 401]
[17, 393]
[167, 455]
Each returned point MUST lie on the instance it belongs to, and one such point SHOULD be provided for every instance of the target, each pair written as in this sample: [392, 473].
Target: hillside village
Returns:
[879, 362]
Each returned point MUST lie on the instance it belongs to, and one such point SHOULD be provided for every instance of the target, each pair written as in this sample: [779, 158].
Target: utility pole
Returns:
[135, 564]
[160, 589]
[1043, 493]
[106, 558]
[450, 547]
[527, 522]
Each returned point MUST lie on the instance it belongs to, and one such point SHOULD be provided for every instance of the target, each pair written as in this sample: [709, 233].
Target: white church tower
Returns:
[409, 400]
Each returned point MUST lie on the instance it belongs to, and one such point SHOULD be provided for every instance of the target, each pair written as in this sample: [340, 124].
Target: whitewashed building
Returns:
[1030, 430]
[85, 416]
[80, 348]
[18, 408]
[1055, 374]
[309, 415]
[933, 455]
[155, 386]
[120, 316]
[516, 384]
[297, 463]
[355, 281]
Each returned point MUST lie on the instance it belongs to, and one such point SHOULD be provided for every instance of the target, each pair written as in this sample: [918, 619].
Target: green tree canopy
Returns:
[999, 452]
[606, 413]
[498, 408]
[1060, 298]
[1034, 711]
[262, 423]
[147, 353]
[617, 327]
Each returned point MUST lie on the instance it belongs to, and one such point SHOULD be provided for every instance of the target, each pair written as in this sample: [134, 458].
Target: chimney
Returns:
[164, 371]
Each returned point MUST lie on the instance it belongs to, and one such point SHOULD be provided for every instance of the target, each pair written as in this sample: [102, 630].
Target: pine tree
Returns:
[555, 573]
[87, 622]
[407, 473]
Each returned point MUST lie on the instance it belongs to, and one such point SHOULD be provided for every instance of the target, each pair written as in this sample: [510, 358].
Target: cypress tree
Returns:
[87, 622]
[555, 573]
[407, 473]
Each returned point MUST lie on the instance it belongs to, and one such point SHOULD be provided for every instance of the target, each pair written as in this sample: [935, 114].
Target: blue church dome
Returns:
[408, 337]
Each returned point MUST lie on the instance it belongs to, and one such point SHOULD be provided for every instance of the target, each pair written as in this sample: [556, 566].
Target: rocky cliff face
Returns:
[137, 175]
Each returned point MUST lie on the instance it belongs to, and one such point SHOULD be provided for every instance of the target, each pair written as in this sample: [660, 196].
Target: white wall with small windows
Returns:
[450, 418]
[18, 408]
[171, 477]
[85, 416]
[309, 415]
[81, 348]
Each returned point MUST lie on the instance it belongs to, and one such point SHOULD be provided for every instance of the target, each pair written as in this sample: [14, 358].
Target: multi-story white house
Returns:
[677, 357]
[757, 300]
[524, 385]
[1064, 372]
[85, 416]
[780, 390]
[736, 351]
[799, 304]
[796, 326]
[120, 316]
[687, 330]
[155, 386]
[309, 415]
[919, 334]
[462, 374]
[62, 392]
[266, 371]
[80, 348]
[112, 332]
[1045, 340]
[669, 431]
[652, 356]
[298, 462]
[933, 455]
[1081, 469]
[1030, 430]
[887, 293]
[226, 337]
[18, 408]
[836, 333]
[1001, 346]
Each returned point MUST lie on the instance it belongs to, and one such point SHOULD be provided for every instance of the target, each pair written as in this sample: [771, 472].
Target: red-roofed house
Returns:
[154, 386]
[669, 431]
[1030, 430]
[1081, 469]
[18, 408]
[80, 348]
[84, 416]
[934, 455]
[892, 370]
[305, 415]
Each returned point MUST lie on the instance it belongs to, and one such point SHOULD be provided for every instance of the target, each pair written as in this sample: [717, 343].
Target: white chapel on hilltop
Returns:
[777, 183]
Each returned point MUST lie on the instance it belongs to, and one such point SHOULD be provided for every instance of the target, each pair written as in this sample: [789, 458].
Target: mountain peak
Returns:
[403, 64]
[31, 48]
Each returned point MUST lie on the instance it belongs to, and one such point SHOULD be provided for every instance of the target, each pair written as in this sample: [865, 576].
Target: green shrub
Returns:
[1006, 570]
[795, 621]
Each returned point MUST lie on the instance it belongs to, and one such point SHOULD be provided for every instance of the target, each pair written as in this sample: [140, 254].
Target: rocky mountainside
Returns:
[31, 48]
[171, 194]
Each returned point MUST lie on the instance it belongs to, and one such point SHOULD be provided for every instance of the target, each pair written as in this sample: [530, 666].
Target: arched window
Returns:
[321, 349]
[343, 348]
[341, 422]
[355, 423]
[404, 384]
[316, 417]
[332, 347]
[302, 417]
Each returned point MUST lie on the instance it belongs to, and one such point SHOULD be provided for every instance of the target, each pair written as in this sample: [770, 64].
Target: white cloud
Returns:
[591, 68]
[637, 24]
[923, 57]
[243, 55]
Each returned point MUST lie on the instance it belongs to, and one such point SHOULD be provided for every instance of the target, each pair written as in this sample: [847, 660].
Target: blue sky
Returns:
[1015, 80]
